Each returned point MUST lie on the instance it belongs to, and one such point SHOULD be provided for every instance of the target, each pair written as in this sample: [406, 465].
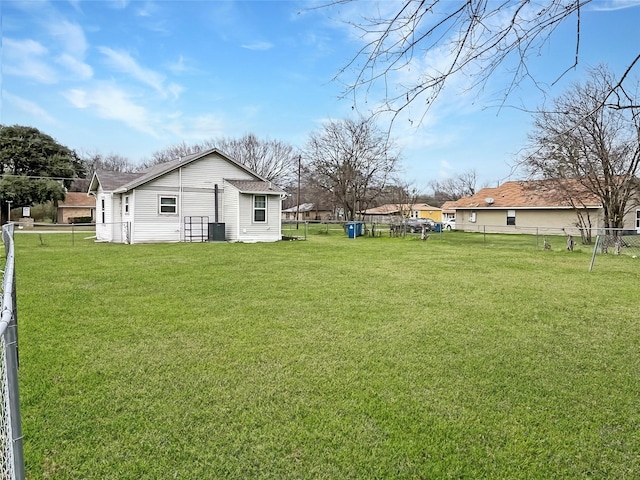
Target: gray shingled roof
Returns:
[112, 180]
[123, 182]
[252, 186]
[303, 207]
[156, 171]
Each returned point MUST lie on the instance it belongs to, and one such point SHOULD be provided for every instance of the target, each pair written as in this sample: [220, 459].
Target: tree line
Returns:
[584, 141]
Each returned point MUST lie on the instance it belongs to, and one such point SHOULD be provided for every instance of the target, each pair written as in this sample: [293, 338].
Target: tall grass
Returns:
[327, 358]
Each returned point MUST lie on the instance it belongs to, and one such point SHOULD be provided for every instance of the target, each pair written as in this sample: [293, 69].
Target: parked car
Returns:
[449, 224]
[414, 225]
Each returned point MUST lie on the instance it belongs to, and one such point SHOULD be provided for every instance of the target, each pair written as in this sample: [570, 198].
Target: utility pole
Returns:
[298, 199]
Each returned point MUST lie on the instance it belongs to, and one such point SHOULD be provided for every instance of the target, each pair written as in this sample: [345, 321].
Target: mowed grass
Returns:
[329, 358]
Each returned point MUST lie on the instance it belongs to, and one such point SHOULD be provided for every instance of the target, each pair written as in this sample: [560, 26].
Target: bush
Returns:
[80, 220]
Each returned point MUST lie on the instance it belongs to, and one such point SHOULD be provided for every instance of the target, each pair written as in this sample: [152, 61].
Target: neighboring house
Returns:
[394, 211]
[521, 206]
[185, 200]
[424, 210]
[306, 211]
[387, 213]
[448, 211]
[76, 205]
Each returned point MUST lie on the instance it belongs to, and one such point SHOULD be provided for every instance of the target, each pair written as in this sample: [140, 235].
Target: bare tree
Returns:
[173, 152]
[461, 185]
[351, 159]
[589, 142]
[274, 160]
[402, 193]
[94, 160]
[471, 39]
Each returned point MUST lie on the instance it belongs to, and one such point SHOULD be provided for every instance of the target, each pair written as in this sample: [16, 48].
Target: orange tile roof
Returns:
[447, 207]
[529, 194]
[390, 208]
[424, 206]
[386, 209]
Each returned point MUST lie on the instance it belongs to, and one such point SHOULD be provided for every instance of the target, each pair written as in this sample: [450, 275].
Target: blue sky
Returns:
[133, 77]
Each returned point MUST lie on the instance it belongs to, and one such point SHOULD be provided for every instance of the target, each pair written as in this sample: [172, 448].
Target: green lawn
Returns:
[329, 358]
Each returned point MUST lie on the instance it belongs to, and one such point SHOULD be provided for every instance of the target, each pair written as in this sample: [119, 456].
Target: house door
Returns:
[638, 220]
[126, 220]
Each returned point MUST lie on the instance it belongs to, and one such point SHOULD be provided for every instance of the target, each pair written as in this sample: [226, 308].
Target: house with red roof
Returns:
[524, 206]
[76, 205]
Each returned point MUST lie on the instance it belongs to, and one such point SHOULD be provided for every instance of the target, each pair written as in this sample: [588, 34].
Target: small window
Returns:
[169, 205]
[472, 217]
[102, 210]
[126, 205]
[511, 217]
[260, 208]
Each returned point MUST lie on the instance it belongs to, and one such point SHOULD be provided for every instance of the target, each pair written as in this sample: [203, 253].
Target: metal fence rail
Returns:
[616, 242]
[11, 452]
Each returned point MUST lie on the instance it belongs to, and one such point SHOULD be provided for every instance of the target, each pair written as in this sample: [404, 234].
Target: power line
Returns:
[38, 177]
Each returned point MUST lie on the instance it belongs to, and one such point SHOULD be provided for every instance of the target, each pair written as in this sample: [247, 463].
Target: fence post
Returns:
[595, 252]
[9, 320]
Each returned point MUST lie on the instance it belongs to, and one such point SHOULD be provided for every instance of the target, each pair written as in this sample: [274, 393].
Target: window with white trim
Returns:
[168, 205]
[103, 210]
[126, 205]
[260, 208]
[511, 217]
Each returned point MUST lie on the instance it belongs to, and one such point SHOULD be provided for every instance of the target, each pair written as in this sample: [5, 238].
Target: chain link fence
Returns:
[616, 242]
[12, 459]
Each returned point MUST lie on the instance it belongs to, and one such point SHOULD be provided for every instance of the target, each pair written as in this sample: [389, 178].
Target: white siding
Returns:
[116, 217]
[193, 185]
[150, 225]
[202, 203]
[207, 171]
[231, 212]
[251, 231]
[110, 229]
[104, 231]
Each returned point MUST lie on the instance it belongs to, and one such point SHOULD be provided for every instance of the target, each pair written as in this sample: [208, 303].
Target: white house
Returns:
[199, 197]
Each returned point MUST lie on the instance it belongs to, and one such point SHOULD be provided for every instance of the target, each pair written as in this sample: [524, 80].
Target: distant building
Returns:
[77, 205]
[389, 212]
[306, 212]
[520, 206]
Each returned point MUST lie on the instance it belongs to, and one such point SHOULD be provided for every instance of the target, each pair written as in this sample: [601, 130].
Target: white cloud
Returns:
[260, 46]
[177, 66]
[180, 66]
[24, 58]
[195, 128]
[30, 108]
[124, 63]
[118, 4]
[70, 36]
[78, 68]
[174, 89]
[615, 4]
[113, 104]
